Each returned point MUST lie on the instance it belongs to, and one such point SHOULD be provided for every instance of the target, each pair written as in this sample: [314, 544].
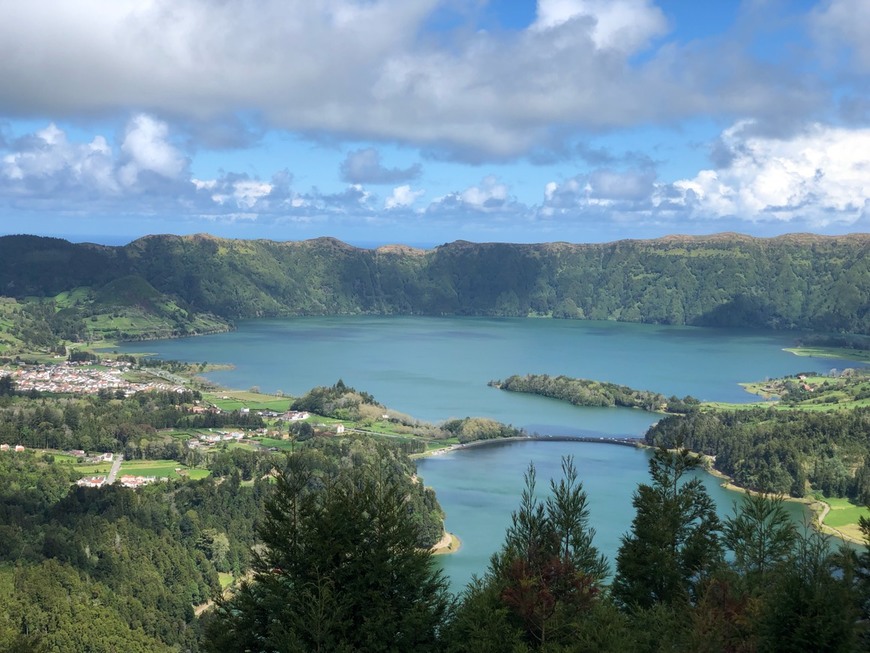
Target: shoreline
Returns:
[447, 545]
[818, 508]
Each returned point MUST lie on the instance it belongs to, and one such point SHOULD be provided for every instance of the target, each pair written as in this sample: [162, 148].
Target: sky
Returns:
[427, 121]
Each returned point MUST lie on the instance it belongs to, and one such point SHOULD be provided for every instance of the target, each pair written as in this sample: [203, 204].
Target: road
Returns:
[116, 465]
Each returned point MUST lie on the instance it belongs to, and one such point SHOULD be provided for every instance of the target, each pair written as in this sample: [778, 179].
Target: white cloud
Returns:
[364, 167]
[372, 70]
[844, 24]
[47, 158]
[821, 175]
[489, 194]
[403, 196]
[147, 150]
[618, 24]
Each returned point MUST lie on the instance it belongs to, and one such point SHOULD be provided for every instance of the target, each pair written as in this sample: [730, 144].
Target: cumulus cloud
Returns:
[815, 179]
[403, 196]
[619, 24]
[490, 197]
[821, 175]
[364, 167]
[370, 70]
[598, 191]
[46, 162]
[147, 150]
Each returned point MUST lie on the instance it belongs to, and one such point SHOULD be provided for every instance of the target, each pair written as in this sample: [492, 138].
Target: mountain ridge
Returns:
[793, 281]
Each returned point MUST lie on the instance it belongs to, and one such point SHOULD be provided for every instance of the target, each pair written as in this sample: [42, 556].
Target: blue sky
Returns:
[427, 121]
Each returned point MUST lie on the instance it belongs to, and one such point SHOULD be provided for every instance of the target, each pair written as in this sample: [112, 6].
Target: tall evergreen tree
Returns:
[340, 571]
[544, 583]
[673, 543]
[761, 534]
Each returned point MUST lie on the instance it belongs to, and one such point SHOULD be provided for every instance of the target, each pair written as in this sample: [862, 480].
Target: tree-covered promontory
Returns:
[588, 392]
[789, 282]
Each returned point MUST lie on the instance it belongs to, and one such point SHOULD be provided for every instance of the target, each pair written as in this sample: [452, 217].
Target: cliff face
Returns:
[796, 281]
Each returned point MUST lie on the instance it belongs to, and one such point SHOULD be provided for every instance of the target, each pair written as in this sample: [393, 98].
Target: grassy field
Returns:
[831, 352]
[92, 469]
[844, 516]
[283, 445]
[236, 399]
[161, 469]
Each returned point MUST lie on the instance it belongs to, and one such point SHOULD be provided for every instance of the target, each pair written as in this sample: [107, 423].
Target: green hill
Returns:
[790, 282]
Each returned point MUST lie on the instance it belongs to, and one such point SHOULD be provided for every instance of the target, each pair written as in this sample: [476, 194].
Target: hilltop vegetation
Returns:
[800, 282]
[586, 392]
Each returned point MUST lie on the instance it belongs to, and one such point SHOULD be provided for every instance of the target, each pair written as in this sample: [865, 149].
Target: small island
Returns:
[588, 392]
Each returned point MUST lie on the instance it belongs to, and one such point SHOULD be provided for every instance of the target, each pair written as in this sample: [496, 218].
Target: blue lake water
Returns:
[438, 368]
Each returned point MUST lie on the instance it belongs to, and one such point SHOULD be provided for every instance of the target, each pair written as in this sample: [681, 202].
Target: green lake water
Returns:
[438, 368]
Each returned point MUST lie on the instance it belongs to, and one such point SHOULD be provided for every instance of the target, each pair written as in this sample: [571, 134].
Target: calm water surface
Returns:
[479, 487]
[438, 368]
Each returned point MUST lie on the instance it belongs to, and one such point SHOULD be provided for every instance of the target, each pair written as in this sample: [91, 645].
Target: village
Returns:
[81, 378]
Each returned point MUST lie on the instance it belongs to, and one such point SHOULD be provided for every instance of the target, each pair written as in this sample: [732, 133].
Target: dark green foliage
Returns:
[762, 536]
[806, 605]
[124, 565]
[341, 570]
[546, 579]
[585, 392]
[779, 451]
[673, 546]
[472, 429]
[338, 401]
[806, 282]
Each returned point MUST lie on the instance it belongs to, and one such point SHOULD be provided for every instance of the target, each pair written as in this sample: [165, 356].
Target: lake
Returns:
[480, 486]
[438, 368]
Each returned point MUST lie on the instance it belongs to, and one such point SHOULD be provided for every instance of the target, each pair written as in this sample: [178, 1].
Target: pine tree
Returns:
[544, 583]
[340, 571]
[674, 543]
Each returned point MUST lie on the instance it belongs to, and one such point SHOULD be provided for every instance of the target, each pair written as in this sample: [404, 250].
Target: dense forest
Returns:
[788, 452]
[587, 392]
[801, 281]
[684, 580]
[332, 543]
[120, 569]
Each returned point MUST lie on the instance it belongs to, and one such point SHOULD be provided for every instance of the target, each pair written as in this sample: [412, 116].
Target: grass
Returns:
[284, 445]
[236, 399]
[843, 516]
[62, 458]
[90, 469]
[225, 579]
[161, 469]
[831, 352]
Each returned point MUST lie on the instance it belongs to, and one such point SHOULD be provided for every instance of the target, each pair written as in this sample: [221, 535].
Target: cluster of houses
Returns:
[128, 480]
[78, 378]
[209, 439]
[96, 458]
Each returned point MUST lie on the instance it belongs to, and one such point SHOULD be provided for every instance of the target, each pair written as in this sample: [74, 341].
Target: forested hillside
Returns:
[798, 281]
